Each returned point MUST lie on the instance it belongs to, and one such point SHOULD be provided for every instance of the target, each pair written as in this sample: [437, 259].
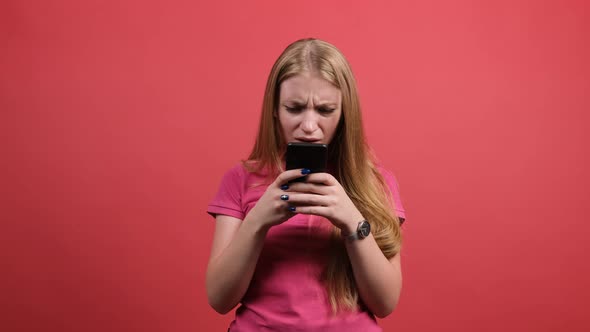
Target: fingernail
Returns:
[292, 208]
[284, 197]
[305, 171]
[285, 187]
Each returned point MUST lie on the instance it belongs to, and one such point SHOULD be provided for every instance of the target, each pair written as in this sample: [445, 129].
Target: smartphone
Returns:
[307, 155]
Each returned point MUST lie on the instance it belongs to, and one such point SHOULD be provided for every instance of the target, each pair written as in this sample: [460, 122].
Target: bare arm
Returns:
[378, 280]
[234, 254]
[237, 245]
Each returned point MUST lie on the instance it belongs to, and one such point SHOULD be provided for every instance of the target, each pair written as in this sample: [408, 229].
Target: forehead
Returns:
[307, 86]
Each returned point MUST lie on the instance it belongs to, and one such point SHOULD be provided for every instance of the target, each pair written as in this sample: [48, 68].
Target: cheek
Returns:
[286, 122]
[334, 124]
[286, 126]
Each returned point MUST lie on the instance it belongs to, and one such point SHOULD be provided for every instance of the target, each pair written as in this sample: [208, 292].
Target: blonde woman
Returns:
[319, 255]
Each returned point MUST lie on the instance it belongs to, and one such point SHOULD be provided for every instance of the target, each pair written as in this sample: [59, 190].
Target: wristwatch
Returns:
[362, 231]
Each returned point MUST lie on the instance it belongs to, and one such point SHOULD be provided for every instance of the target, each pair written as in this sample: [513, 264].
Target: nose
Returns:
[309, 123]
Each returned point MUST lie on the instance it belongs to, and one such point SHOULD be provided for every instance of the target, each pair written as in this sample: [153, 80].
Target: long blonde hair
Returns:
[349, 154]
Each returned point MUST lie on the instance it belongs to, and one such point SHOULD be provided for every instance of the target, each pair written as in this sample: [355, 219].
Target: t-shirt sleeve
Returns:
[228, 200]
[391, 182]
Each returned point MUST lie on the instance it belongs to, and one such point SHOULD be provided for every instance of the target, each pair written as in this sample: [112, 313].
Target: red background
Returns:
[118, 119]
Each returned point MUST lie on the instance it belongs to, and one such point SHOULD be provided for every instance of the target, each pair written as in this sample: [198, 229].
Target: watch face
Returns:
[364, 229]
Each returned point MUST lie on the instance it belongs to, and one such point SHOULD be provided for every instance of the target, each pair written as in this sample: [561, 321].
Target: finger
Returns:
[285, 208]
[297, 199]
[290, 175]
[315, 210]
[311, 188]
[321, 178]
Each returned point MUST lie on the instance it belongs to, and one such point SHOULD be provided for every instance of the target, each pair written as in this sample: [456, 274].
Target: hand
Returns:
[273, 207]
[322, 195]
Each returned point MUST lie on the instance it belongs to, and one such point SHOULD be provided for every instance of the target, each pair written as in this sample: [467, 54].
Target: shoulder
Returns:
[238, 171]
[245, 174]
[233, 177]
[229, 197]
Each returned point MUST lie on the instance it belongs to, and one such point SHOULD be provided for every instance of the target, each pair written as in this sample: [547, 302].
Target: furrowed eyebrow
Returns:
[302, 104]
[295, 103]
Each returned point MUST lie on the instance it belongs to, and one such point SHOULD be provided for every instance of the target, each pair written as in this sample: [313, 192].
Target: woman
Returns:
[322, 254]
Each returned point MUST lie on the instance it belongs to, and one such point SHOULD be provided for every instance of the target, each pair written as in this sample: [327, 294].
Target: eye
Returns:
[294, 109]
[326, 111]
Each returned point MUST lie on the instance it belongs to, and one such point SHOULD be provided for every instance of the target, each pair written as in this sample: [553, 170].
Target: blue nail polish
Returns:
[284, 197]
[292, 208]
[305, 171]
[285, 187]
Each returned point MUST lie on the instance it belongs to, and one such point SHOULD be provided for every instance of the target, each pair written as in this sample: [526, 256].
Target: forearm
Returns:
[378, 279]
[229, 274]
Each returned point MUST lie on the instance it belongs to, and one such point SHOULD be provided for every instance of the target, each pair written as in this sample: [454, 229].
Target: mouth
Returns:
[308, 140]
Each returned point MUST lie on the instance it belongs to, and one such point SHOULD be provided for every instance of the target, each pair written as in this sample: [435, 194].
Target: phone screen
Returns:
[307, 155]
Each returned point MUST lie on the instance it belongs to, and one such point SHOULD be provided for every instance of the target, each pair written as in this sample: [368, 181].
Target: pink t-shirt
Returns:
[286, 292]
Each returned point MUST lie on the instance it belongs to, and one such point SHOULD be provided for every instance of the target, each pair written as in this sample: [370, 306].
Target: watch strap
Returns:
[357, 235]
[352, 237]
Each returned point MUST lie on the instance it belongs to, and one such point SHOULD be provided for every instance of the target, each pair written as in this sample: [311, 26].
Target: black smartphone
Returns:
[307, 155]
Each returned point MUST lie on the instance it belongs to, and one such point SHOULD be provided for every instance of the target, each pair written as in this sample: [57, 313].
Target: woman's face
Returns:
[309, 109]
